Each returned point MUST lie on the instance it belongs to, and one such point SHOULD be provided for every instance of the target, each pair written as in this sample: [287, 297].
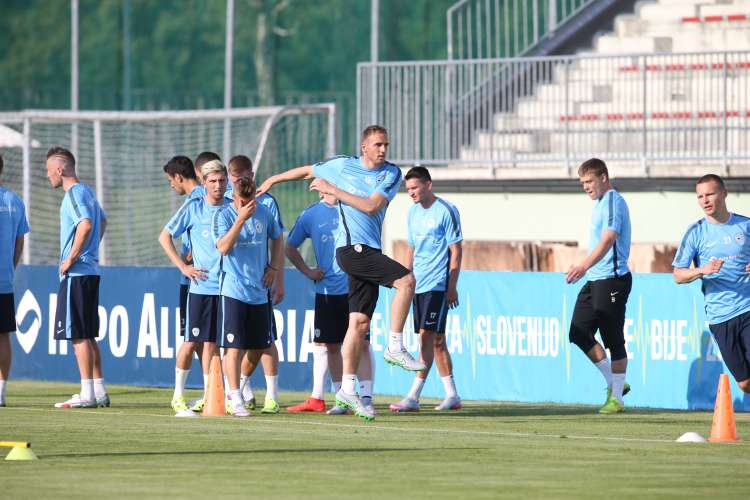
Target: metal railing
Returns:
[478, 29]
[555, 111]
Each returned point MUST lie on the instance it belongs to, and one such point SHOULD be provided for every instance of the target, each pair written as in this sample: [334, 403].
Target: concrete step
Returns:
[612, 44]
[670, 13]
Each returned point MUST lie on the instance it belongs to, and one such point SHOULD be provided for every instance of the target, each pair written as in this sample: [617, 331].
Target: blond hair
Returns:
[213, 167]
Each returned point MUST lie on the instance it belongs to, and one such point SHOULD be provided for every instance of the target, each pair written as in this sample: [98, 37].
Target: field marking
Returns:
[366, 426]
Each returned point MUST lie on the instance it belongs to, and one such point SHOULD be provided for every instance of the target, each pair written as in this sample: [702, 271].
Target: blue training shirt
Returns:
[430, 232]
[727, 293]
[198, 192]
[195, 219]
[12, 225]
[610, 212]
[348, 173]
[320, 222]
[80, 203]
[244, 266]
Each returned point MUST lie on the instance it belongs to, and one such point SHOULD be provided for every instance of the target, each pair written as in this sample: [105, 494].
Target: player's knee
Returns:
[744, 385]
[406, 283]
[581, 338]
[360, 323]
[440, 344]
[617, 352]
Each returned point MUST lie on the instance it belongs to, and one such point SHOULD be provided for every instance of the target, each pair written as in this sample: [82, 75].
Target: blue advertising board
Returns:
[508, 338]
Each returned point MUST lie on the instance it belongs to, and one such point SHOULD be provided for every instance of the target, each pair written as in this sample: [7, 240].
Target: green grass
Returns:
[488, 450]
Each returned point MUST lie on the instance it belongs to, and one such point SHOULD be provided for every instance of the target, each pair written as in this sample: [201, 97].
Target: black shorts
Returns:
[733, 338]
[245, 326]
[7, 313]
[601, 306]
[367, 268]
[331, 318]
[202, 318]
[183, 307]
[77, 313]
[430, 312]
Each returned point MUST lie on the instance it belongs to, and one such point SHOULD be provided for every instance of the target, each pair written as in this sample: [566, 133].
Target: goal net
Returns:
[121, 155]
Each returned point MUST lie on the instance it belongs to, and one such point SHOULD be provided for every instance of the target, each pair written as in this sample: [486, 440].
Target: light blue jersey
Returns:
[80, 203]
[727, 292]
[348, 174]
[320, 222]
[610, 213]
[12, 225]
[267, 201]
[198, 192]
[244, 266]
[194, 218]
[430, 232]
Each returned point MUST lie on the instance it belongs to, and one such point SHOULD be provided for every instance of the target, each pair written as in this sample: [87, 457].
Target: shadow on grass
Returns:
[250, 452]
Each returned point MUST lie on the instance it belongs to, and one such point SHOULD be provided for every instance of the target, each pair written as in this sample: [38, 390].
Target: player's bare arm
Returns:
[190, 272]
[83, 230]
[295, 174]
[277, 261]
[292, 253]
[688, 275]
[606, 242]
[369, 205]
[18, 250]
[451, 292]
[103, 225]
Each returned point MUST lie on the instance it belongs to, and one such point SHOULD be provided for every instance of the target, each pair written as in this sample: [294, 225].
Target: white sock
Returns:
[365, 388]
[618, 381]
[336, 386]
[205, 383]
[395, 341]
[236, 395]
[320, 367]
[450, 386]
[606, 368]
[416, 389]
[272, 387]
[2, 390]
[247, 389]
[87, 390]
[226, 385]
[349, 384]
[180, 377]
[99, 390]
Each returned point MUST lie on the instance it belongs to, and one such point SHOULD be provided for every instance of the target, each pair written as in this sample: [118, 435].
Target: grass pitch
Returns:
[137, 448]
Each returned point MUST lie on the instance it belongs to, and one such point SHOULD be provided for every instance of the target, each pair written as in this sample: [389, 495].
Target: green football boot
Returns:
[270, 406]
[612, 406]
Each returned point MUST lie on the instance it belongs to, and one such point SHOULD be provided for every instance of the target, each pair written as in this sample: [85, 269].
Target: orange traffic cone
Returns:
[723, 429]
[215, 406]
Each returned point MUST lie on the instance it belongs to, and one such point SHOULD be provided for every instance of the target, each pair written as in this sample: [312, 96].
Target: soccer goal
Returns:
[121, 154]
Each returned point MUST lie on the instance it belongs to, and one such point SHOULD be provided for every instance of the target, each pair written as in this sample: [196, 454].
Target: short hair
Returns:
[213, 167]
[180, 165]
[712, 178]
[419, 173]
[1, 164]
[594, 165]
[373, 129]
[240, 163]
[244, 187]
[204, 158]
[65, 155]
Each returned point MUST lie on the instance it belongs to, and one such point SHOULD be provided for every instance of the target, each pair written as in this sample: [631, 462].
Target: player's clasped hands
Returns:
[315, 274]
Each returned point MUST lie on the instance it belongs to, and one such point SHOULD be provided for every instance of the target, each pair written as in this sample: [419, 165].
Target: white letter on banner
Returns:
[628, 336]
[533, 324]
[554, 337]
[542, 335]
[375, 331]
[148, 336]
[522, 336]
[512, 335]
[681, 339]
[670, 344]
[455, 334]
[502, 335]
[488, 335]
[291, 335]
[102, 323]
[279, 332]
[481, 340]
[119, 328]
[308, 333]
[657, 350]
[166, 351]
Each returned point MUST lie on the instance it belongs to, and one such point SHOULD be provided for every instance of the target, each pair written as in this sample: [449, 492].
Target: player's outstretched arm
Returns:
[165, 240]
[605, 243]
[683, 275]
[370, 205]
[295, 174]
[292, 253]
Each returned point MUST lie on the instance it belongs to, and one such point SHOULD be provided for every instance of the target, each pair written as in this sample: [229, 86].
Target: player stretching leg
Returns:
[242, 166]
[194, 220]
[364, 186]
[601, 302]
[13, 227]
[82, 226]
[241, 232]
[719, 247]
[434, 254]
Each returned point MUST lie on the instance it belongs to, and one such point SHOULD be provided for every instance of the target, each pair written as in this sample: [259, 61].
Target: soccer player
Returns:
[601, 302]
[434, 254]
[242, 166]
[364, 186]
[319, 222]
[13, 227]
[719, 249]
[202, 311]
[241, 237]
[82, 226]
